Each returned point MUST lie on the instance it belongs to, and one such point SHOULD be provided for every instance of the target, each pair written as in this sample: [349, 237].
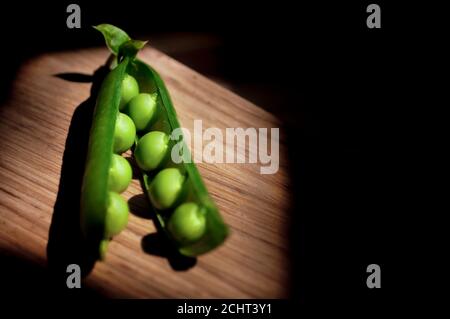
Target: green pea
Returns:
[187, 224]
[129, 89]
[103, 247]
[152, 150]
[120, 174]
[124, 133]
[116, 215]
[166, 188]
[142, 110]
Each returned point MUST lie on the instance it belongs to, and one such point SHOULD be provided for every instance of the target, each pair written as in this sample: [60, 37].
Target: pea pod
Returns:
[197, 226]
[104, 212]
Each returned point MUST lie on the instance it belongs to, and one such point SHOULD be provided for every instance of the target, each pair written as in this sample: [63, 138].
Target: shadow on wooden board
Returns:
[66, 245]
[157, 243]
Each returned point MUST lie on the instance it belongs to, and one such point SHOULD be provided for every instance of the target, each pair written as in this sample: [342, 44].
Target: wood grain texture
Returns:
[34, 124]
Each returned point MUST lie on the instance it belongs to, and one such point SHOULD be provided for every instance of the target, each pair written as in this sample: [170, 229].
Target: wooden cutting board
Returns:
[39, 172]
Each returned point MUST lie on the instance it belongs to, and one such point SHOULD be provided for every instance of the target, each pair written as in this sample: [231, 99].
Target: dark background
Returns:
[338, 87]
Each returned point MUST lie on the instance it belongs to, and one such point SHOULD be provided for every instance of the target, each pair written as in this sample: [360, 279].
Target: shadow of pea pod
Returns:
[134, 167]
[76, 77]
[158, 244]
[140, 207]
[66, 244]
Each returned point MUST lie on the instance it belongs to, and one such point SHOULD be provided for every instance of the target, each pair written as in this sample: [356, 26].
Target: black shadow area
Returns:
[66, 245]
[24, 279]
[158, 244]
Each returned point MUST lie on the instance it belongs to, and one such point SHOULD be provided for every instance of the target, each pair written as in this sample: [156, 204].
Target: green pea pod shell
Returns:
[150, 82]
[216, 230]
[94, 191]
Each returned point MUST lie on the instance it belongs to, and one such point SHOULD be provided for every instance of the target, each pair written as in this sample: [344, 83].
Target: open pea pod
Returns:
[214, 231]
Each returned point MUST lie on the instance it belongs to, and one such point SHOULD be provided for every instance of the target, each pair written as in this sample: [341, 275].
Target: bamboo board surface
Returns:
[34, 123]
